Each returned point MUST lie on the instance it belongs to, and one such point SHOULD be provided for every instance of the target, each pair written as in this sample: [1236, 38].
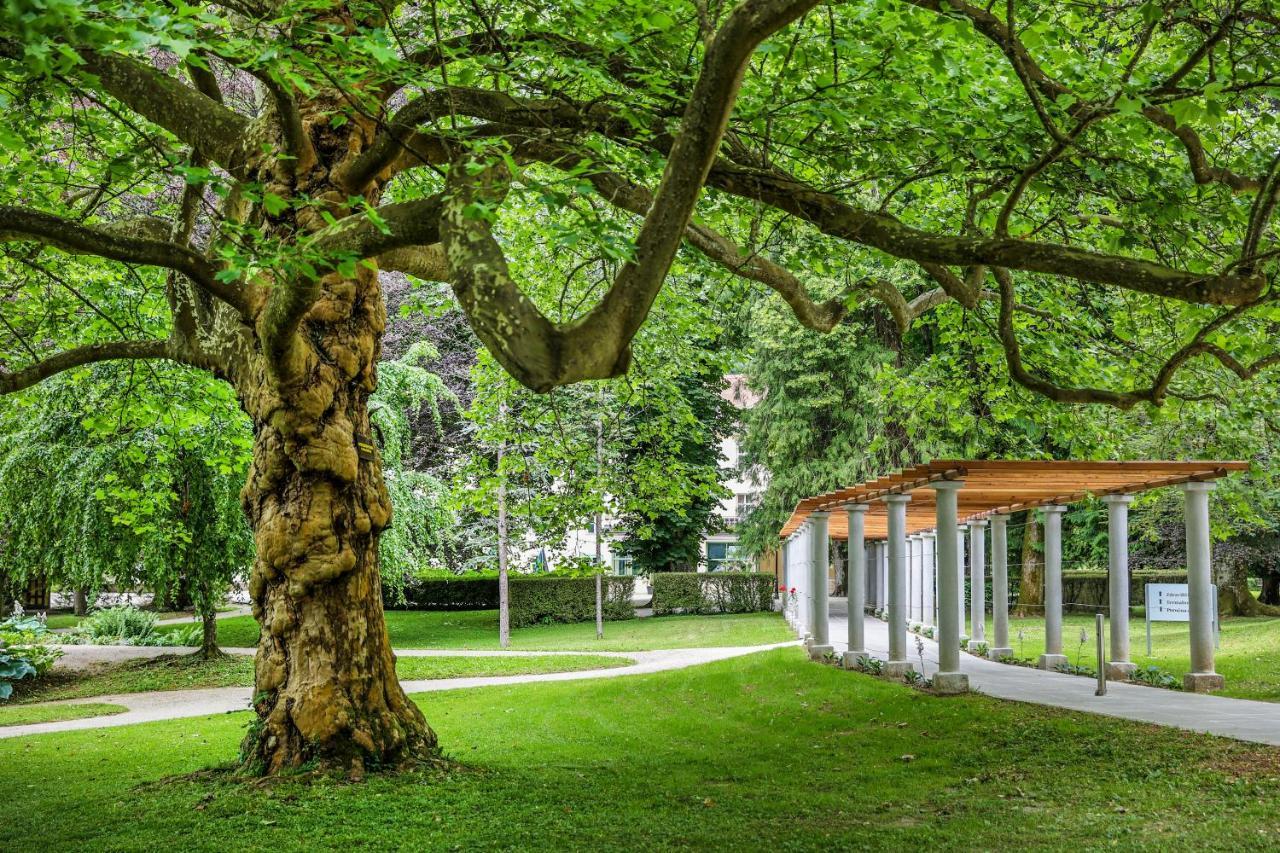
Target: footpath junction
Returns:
[906, 534]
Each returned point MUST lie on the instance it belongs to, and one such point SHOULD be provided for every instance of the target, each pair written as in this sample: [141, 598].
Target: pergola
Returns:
[907, 535]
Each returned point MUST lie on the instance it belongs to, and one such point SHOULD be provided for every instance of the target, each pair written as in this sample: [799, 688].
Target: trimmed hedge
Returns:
[1089, 591]
[458, 593]
[539, 600]
[712, 592]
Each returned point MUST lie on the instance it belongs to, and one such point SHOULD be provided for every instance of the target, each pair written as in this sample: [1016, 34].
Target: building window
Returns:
[623, 566]
[746, 502]
[724, 557]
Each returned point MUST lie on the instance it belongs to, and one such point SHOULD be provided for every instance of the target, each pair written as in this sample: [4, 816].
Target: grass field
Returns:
[1247, 659]
[478, 629]
[173, 672]
[21, 715]
[767, 752]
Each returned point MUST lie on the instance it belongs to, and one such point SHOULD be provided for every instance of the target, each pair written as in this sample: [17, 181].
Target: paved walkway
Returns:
[175, 704]
[86, 657]
[1242, 719]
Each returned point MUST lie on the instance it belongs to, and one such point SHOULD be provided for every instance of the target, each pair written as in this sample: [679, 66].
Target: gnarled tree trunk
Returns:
[1031, 586]
[325, 685]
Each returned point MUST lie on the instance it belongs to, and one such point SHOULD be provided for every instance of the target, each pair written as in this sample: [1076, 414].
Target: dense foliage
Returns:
[718, 592]
[537, 600]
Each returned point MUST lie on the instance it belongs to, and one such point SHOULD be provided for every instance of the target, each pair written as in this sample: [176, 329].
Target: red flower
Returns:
[793, 590]
[782, 589]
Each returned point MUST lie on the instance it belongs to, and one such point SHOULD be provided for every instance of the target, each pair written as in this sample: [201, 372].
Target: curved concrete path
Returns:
[1242, 719]
[175, 704]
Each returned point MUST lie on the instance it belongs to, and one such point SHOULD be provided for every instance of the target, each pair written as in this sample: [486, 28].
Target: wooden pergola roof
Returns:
[999, 486]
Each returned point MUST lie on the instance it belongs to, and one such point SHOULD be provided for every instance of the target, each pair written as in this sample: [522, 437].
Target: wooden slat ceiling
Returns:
[996, 486]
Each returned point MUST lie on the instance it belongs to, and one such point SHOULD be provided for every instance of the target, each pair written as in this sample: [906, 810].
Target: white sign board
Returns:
[1168, 602]
[1171, 602]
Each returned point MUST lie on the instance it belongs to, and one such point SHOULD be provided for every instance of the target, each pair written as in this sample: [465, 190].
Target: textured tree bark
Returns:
[1270, 589]
[1234, 596]
[1031, 587]
[81, 602]
[325, 687]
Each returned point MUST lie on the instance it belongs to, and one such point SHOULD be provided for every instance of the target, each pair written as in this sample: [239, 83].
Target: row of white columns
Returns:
[921, 579]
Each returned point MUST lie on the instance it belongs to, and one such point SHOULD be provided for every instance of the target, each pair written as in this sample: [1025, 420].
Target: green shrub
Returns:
[26, 651]
[126, 625]
[539, 599]
[443, 591]
[711, 592]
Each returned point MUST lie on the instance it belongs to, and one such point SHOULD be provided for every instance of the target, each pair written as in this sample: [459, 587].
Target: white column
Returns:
[873, 579]
[1119, 667]
[869, 599]
[927, 603]
[805, 580]
[882, 563]
[856, 583]
[1053, 655]
[897, 665]
[1000, 587]
[917, 585]
[820, 565]
[1202, 677]
[978, 580]
[961, 530]
[949, 678]
[912, 547]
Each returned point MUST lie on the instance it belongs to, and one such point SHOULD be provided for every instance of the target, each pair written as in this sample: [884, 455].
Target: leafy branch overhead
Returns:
[920, 152]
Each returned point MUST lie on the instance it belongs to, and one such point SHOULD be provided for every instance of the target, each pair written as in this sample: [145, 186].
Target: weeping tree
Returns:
[108, 480]
[235, 174]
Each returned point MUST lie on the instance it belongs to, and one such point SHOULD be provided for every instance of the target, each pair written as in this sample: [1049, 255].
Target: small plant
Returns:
[920, 652]
[929, 631]
[870, 665]
[913, 678]
[978, 648]
[1021, 638]
[1076, 669]
[26, 650]
[1154, 676]
[1084, 638]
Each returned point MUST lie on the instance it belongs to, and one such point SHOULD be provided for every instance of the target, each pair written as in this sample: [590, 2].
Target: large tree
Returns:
[269, 157]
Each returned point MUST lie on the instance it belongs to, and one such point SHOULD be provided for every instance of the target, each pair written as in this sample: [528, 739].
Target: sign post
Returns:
[1171, 602]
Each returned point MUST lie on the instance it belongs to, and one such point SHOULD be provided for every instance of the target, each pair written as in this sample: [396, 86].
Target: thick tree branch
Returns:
[597, 345]
[625, 195]
[838, 219]
[1155, 393]
[198, 120]
[80, 356]
[17, 224]
[877, 230]
[1033, 76]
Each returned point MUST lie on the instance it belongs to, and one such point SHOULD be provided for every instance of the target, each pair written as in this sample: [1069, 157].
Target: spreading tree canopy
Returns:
[218, 184]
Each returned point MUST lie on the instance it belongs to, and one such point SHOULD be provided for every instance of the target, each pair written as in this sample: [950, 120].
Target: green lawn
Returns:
[1248, 658]
[478, 629]
[180, 672]
[768, 752]
[21, 715]
[63, 620]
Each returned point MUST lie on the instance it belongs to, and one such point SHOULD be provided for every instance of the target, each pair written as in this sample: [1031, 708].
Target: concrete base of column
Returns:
[1120, 670]
[1202, 682]
[951, 682]
[1051, 662]
[999, 654]
[818, 652]
[854, 660]
[897, 668]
